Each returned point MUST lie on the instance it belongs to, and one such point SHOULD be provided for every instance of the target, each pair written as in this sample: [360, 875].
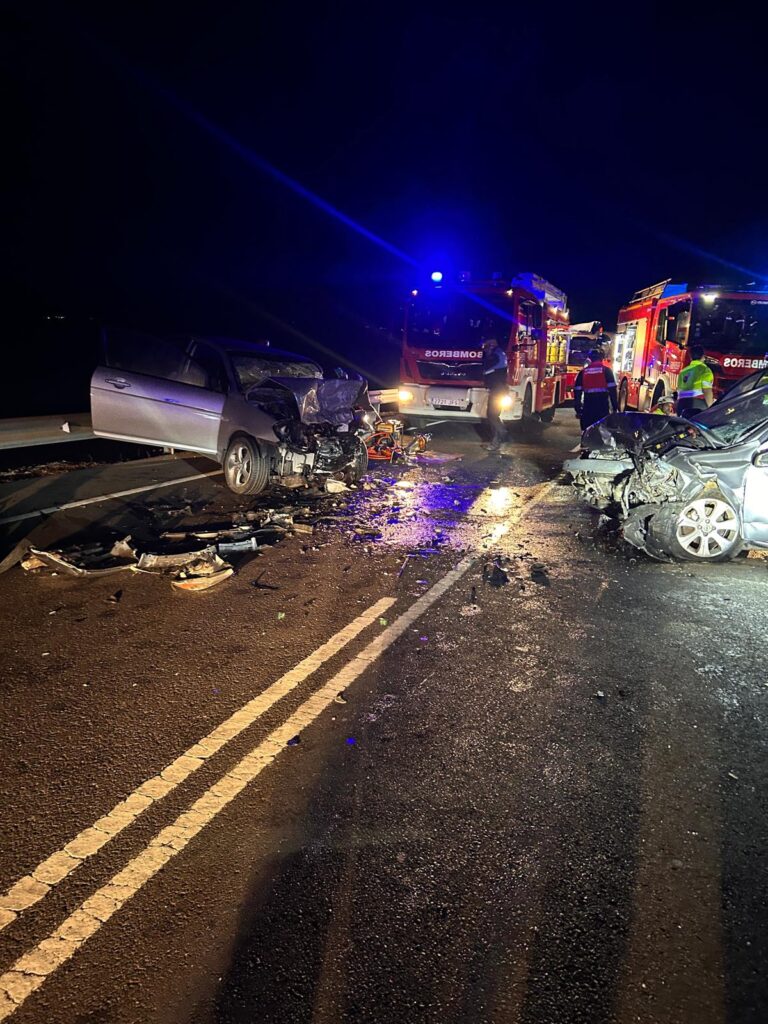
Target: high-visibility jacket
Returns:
[694, 379]
[594, 379]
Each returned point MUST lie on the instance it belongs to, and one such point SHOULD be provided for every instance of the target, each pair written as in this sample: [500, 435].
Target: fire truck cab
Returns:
[444, 327]
[661, 322]
[582, 338]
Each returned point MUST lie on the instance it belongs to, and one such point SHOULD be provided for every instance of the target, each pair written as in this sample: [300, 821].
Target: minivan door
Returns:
[154, 391]
[755, 514]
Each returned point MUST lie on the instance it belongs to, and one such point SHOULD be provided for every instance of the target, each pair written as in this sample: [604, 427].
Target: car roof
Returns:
[253, 348]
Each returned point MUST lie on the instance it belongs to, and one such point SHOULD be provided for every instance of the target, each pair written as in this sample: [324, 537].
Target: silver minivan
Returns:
[265, 415]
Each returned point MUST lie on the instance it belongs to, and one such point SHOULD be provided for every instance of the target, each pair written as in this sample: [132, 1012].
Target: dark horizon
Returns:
[184, 170]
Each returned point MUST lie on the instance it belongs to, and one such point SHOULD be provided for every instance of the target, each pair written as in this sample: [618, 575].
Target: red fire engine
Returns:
[659, 322]
[445, 324]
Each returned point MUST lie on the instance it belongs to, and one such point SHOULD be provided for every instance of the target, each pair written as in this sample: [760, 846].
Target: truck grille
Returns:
[450, 371]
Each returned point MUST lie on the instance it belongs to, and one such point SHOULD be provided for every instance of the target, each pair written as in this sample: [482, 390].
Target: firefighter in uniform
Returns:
[695, 384]
[595, 392]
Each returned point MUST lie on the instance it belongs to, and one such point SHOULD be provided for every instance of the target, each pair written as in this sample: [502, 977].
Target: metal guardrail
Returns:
[28, 431]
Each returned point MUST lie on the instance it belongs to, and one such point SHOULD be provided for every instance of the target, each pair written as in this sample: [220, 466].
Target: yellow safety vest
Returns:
[693, 379]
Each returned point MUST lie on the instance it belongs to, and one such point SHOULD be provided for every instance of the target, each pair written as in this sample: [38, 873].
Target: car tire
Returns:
[704, 529]
[359, 465]
[549, 414]
[528, 403]
[246, 471]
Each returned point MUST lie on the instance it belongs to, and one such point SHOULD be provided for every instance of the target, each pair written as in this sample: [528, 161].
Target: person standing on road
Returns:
[695, 384]
[595, 392]
[495, 380]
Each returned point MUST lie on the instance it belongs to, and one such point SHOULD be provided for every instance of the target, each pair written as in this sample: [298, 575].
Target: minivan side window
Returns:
[141, 353]
[202, 368]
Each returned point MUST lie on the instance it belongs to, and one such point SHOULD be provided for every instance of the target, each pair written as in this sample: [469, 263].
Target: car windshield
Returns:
[730, 422]
[750, 383]
[579, 348]
[732, 325]
[455, 320]
[253, 369]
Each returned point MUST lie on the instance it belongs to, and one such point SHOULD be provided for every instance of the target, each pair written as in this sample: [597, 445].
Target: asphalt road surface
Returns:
[542, 801]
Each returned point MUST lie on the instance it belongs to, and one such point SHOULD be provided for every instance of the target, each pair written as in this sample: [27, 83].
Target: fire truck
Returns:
[443, 331]
[659, 322]
[582, 338]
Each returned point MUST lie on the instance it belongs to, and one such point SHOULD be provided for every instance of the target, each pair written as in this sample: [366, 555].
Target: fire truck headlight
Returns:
[709, 296]
[404, 395]
[505, 402]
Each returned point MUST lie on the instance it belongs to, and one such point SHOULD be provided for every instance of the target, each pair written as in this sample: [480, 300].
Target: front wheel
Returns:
[246, 471]
[549, 414]
[705, 529]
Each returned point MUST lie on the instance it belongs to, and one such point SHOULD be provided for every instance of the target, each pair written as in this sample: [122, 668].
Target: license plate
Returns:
[454, 398]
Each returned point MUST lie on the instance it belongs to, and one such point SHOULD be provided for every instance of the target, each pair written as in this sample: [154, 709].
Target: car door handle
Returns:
[117, 382]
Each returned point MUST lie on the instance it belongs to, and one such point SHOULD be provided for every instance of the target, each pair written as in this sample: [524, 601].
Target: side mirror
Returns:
[760, 458]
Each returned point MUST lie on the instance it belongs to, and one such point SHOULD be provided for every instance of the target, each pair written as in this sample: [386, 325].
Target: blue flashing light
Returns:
[437, 276]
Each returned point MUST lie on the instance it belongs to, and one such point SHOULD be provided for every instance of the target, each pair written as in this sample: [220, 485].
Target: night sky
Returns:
[604, 148]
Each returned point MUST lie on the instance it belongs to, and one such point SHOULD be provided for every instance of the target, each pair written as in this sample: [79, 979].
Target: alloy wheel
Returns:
[707, 528]
[239, 465]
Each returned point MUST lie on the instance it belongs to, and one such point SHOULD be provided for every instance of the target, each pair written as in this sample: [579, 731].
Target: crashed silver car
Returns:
[266, 416]
[690, 489]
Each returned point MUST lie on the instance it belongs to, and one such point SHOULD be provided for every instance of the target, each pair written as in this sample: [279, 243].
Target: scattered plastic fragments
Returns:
[204, 582]
[281, 615]
[258, 585]
[498, 577]
[294, 741]
[31, 562]
[238, 546]
[85, 559]
[600, 695]
[382, 622]
[539, 574]
[335, 486]
[470, 609]
[340, 698]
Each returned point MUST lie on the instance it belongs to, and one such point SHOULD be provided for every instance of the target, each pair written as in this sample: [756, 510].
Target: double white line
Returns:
[31, 970]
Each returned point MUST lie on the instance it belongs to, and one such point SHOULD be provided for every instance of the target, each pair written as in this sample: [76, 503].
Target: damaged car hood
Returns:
[317, 400]
[635, 432]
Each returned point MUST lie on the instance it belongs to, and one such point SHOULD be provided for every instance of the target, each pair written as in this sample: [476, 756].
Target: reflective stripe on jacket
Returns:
[693, 379]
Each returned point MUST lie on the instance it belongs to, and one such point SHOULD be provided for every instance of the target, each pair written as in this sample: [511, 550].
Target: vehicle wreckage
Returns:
[265, 415]
[690, 489]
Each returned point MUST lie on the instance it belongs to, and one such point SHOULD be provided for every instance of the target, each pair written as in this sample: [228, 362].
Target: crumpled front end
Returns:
[619, 484]
[315, 423]
[634, 486]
